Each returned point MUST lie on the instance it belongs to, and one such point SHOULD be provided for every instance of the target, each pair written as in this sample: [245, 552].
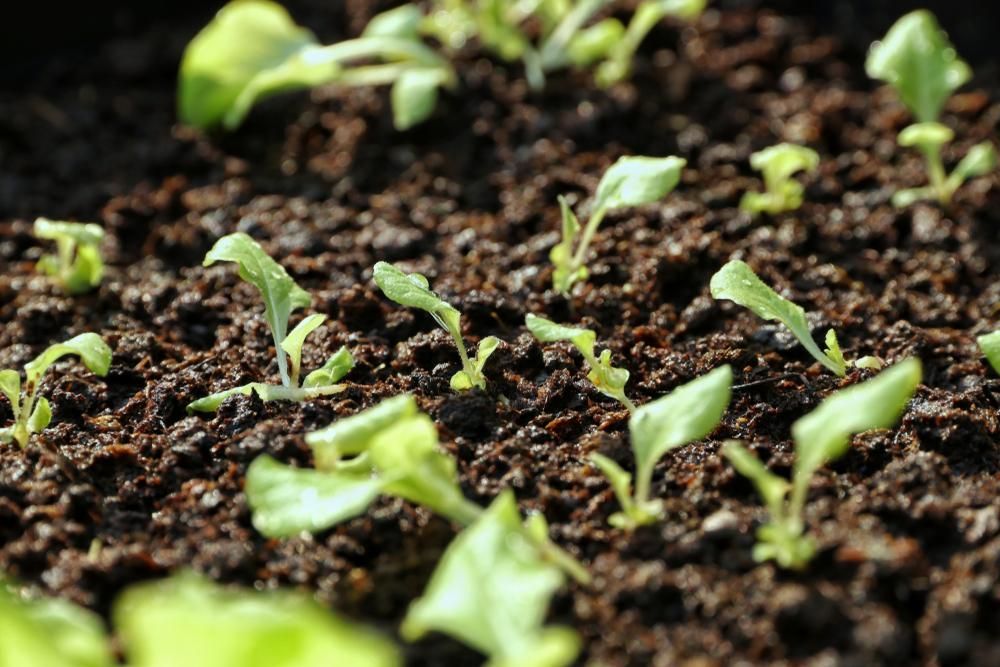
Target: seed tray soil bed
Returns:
[908, 523]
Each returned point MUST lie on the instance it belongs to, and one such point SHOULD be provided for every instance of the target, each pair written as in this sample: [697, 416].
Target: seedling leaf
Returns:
[77, 266]
[737, 282]
[353, 435]
[990, 346]
[778, 164]
[414, 96]
[50, 632]
[917, 60]
[335, 368]
[772, 488]
[491, 590]
[292, 344]
[93, 352]
[287, 501]
[189, 621]
[637, 180]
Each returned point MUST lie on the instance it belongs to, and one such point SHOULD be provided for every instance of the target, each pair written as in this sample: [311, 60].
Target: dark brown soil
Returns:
[908, 522]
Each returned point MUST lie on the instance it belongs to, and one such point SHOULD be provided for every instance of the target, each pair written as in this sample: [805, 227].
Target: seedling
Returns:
[77, 266]
[412, 290]
[688, 413]
[187, 620]
[252, 49]
[778, 164]
[281, 296]
[990, 345]
[609, 380]
[821, 436]
[738, 283]
[631, 181]
[491, 591]
[917, 60]
[32, 412]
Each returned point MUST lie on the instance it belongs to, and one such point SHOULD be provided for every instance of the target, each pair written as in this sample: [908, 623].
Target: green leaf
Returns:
[772, 488]
[925, 134]
[413, 467]
[186, 620]
[414, 96]
[990, 346]
[595, 43]
[50, 632]
[463, 380]
[78, 266]
[335, 368]
[93, 352]
[980, 160]
[10, 386]
[738, 283]
[832, 350]
[825, 433]
[548, 331]
[40, 417]
[621, 485]
[408, 289]
[287, 501]
[266, 393]
[280, 293]
[353, 435]
[252, 49]
[296, 338]
[778, 164]
[491, 591]
[399, 22]
[917, 60]
[688, 413]
[634, 181]
[6, 434]
[84, 234]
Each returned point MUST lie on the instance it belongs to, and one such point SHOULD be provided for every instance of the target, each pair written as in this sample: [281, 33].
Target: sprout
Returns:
[821, 436]
[281, 296]
[412, 290]
[32, 413]
[688, 413]
[77, 266]
[50, 632]
[187, 620]
[491, 591]
[650, 12]
[778, 164]
[389, 449]
[609, 380]
[990, 345]
[631, 181]
[738, 283]
[917, 60]
[252, 49]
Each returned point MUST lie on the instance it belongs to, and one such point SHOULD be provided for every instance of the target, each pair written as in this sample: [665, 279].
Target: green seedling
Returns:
[821, 436]
[564, 38]
[650, 12]
[281, 296]
[688, 413]
[252, 49]
[391, 449]
[491, 591]
[77, 266]
[990, 345]
[738, 283]
[917, 60]
[32, 412]
[413, 290]
[782, 192]
[187, 620]
[631, 181]
[609, 380]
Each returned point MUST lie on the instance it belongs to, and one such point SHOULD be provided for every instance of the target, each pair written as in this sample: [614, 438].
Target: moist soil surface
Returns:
[908, 522]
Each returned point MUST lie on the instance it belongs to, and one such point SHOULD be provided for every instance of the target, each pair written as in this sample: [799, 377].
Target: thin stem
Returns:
[553, 51]
[389, 48]
[588, 235]
[643, 483]
[936, 172]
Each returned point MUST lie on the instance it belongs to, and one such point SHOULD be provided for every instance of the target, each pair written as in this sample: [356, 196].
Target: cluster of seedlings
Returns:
[493, 585]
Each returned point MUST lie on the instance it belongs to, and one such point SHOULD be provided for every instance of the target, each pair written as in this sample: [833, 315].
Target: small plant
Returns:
[281, 296]
[252, 49]
[820, 437]
[609, 380]
[738, 283]
[688, 413]
[782, 192]
[77, 266]
[917, 60]
[32, 412]
[631, 181]
[565, 39]
[186, 620]
[990, 345]
[491, 591]
[412, 290]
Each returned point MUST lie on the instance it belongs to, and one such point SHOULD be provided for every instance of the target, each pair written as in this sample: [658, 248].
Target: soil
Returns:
[908, 522]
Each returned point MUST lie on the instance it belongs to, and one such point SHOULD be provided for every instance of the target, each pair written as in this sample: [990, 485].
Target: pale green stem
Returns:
[588, 235]
[553, 51]
[935, 171]
[392, 48]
